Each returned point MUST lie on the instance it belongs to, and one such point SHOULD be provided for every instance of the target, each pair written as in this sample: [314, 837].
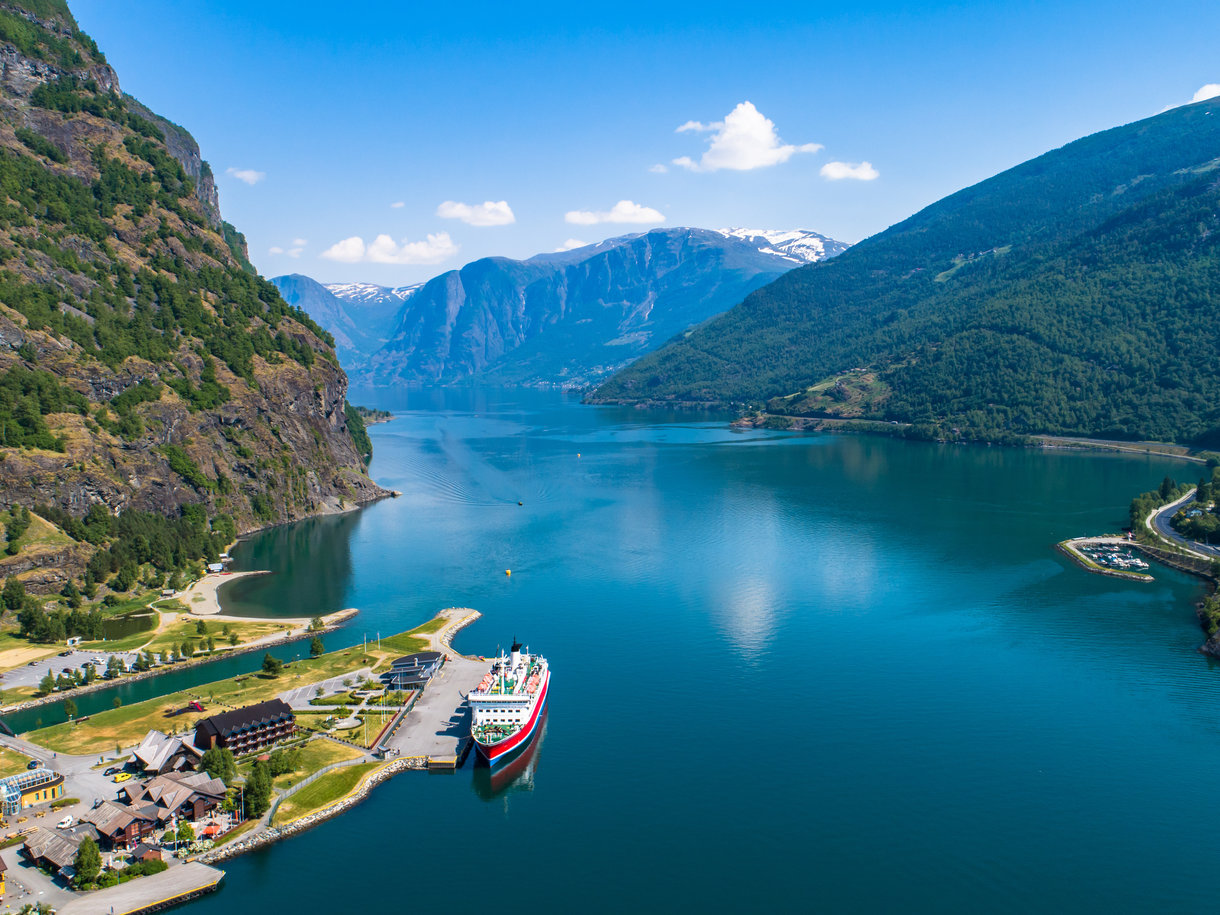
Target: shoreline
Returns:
[331, 621]
[891, 429]
[202, 597]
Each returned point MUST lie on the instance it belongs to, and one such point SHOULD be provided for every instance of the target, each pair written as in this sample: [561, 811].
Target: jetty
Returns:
[149, 894]
[435, 734]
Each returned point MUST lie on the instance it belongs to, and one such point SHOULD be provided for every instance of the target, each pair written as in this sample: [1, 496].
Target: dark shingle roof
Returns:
[419, 659]
[244, 718]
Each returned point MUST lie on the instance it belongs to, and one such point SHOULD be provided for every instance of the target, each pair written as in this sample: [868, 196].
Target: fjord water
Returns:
[789, 671]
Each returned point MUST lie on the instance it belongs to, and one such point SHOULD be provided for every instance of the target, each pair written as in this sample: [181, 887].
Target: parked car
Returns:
[33, 764]
[122, 777]
[65, 822]
[112, 770]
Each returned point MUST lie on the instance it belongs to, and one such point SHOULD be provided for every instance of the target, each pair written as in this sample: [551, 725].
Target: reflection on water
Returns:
[311, 564]
[799, 654]
[514, 776]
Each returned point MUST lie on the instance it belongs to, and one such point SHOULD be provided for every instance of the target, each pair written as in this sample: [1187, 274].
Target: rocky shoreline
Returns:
[274, 834]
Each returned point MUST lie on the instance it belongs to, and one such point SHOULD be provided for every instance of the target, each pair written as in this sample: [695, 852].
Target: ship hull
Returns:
[494, 754]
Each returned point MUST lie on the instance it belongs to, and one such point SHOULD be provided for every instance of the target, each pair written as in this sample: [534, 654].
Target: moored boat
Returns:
[507, 704]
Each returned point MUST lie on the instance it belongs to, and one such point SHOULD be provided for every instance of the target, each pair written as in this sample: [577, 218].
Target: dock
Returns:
[437, 730]
[149, 894]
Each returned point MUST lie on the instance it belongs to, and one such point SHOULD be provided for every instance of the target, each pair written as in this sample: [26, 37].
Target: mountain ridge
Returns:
[558, 318]
[957, 318]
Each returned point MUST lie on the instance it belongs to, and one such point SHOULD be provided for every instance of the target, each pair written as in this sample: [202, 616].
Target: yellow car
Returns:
[122, 777]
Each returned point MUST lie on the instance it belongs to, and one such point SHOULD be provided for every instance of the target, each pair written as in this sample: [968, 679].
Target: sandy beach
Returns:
[200, 598]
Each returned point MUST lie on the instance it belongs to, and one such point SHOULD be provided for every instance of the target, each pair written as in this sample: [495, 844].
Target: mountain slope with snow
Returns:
[570, 318]
[800, 246]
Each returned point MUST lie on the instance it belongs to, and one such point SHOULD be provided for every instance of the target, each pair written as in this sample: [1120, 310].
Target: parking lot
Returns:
[32, 673]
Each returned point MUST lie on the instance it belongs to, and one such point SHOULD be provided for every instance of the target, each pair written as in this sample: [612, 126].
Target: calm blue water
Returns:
[790, 671]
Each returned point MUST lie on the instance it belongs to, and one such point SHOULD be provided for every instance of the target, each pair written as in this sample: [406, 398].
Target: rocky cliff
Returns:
[573, 317]
[142, 364]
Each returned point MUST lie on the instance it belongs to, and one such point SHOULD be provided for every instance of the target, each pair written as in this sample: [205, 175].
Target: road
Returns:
[1159, 522]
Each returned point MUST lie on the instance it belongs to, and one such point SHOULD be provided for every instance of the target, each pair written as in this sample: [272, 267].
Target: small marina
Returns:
[1107, 556]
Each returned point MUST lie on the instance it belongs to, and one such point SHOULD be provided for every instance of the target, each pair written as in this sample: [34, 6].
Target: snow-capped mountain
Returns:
[371, 293]
[571, 317]
[800, 246]
[565, 318]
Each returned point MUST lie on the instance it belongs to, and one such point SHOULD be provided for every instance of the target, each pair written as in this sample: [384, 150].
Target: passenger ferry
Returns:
[507, 704]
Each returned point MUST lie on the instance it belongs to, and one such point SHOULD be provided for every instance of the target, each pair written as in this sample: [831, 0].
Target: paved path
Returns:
[157, 890]
[300, 696]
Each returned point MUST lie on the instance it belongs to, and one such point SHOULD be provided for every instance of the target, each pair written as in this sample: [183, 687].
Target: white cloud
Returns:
[397, 205]
[1211, 90]
[488, 213]
[744, 140]
[348, 251]
[383, 250]
[861, 171]
[297, 247]
[571, 243]
[658, 169]
[623, 211]
[248, 175]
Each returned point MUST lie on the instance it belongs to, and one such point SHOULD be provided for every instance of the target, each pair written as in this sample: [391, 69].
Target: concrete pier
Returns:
[438, 728]
[149, 894]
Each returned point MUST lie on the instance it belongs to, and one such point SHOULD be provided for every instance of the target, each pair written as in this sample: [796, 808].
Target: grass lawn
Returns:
[17, 694]
[237, 833]
[127, 726]
[12, 762]
[371, 723]
[330, 788]
[185, 629]
[315, 755]
[17, 652]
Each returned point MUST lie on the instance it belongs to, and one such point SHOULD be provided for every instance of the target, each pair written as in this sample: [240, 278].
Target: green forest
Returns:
[1072, 294]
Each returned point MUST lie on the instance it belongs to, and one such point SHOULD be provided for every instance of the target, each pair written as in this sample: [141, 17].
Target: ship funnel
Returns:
[515, 658]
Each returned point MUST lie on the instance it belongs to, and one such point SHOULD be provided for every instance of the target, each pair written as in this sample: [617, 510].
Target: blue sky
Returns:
[330, 126]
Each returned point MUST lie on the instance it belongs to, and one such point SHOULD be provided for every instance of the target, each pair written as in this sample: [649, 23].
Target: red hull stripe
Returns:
[493, 752]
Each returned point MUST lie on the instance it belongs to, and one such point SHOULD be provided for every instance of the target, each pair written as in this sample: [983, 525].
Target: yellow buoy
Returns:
[508, 571]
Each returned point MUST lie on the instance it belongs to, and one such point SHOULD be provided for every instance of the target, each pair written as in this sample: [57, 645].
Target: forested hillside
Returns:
[144, 366]
[1072, 294]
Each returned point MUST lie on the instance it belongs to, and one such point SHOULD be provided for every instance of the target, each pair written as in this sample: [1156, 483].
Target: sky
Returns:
[390, 141]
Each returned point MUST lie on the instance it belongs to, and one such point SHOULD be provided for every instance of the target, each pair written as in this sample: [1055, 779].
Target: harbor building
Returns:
[413, 671]
[184, 795]
[25, 789]
[121, 826]
[247, 729]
